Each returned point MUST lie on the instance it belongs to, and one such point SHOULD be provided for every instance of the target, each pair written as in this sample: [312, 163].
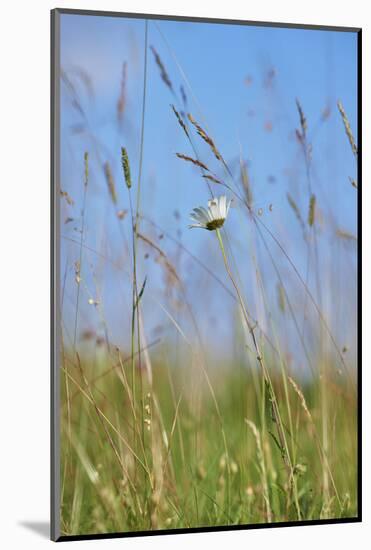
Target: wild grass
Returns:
[160, 433]
[183, 473]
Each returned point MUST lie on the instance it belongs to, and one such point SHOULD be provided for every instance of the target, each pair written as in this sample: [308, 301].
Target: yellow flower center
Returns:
[214, 224]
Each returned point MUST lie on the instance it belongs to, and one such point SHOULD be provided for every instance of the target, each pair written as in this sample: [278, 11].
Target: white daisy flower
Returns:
[214, 216]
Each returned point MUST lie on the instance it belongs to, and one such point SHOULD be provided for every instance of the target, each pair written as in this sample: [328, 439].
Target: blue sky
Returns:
[241, 84]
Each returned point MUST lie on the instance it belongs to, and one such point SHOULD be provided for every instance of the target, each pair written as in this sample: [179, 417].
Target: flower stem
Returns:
[268, 383]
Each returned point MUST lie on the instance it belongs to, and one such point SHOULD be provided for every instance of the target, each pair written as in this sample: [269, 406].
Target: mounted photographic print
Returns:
[206, 190]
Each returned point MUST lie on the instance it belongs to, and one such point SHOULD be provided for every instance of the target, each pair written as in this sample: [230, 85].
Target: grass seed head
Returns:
[121, 102]
[161, 66]
[295, 209]
[86, 168]
[201, 132]
[126, 166]
[312, 210]
[193, 161]
[212, 178]
[180, 121]
[348, 129]
[303, 120]
[67, 197]
[110, 182]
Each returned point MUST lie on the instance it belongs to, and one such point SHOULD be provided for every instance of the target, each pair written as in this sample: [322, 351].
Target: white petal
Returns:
[229, 202]
[222, 206]
[201, 226]
[195, 216]
[198, 214]
[203, 213]
[214, 210]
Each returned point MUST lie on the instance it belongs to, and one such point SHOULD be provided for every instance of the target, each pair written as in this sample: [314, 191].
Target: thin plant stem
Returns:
[271, 393]
[135, 324]
[80, 260]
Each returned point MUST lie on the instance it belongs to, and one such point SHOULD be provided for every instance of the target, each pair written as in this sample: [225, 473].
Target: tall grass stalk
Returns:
[82, 230]
[271, 393]
[135, 230]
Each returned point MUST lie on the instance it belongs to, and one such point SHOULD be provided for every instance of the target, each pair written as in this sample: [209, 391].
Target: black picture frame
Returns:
[55, 281]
